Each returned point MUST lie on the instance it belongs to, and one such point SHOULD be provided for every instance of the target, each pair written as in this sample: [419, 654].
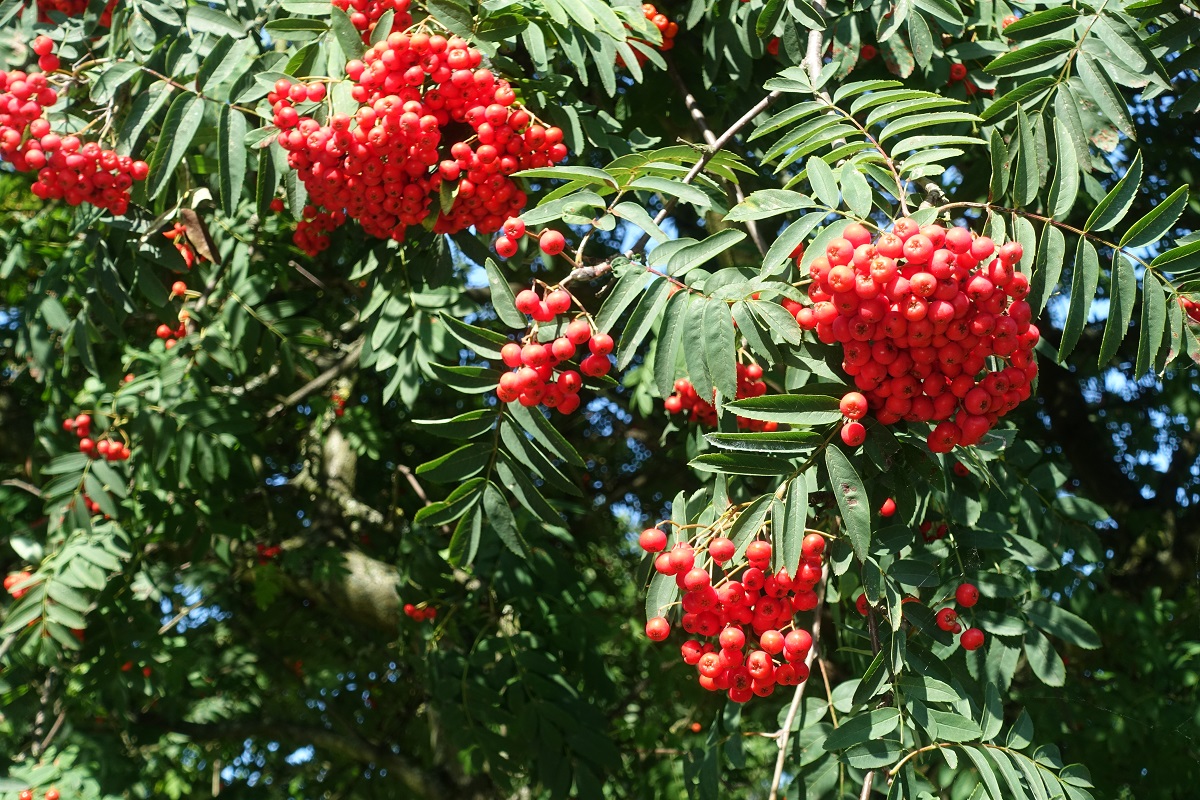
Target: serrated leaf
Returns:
[777, 442]
[861, 728]
[1115, 205]
[1045, 662]
[741, 464]
[464, 542]
[987, 773]
[1020, 735]
[687, 258]
[1065, 185]
[662, 594]
[623, 295]
[778, 258]
[641, 321]
[503, 299]
[1001, 165]
[694, 348]
[852, 500]
[180, 127]
[1106, 94]
[768, 203]
[1039, 55]
[1025, 92]
[1083, 291]
[1158, 222]
[1026, 175]
[637, 215]
[951, 727]
[582, 174]
[790, 409]
[682, 191]
[670, 335]
[1047, 268]
[795, 516]
[1059, 622]
[856, 191]
[501, 517]
[464, 426]
[823, 182]
[720, 348]
[1154, 317]
[535, 423]
[231, 134]
[1041, 23]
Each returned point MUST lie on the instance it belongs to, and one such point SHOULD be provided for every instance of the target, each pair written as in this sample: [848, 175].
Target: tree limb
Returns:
[319, 382]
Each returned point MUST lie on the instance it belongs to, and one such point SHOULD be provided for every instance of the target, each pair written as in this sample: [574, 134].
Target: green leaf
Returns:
[1001, 165]
[852, 500]
[1038, 56]
[824, 184]
[1041, 23]
[694, 348]
[484, 342]
[993, 713]
[1106, 94]
[670, 334]
[924, 122]
[1083, 291]
[951, 727]
[683, 191]
[1065, 186]
[1020, 735]
[662, 594]
[464, 426]
[1026, 176]
[987, 774]
[1154, 317]
[741, 464]
[180, 127]
[861, 728]
[624, 294]
[1047, 269]
[464, 542]
[1045, 662]
[503, 299]
[1158, 222]
[502, 520]
[457, 465]
[1115, 205]
[777, 261]
[589, 175]
[790, 409]
[749, 523]
[926, 689]
[779, 442]
[231, 133]
[788, 537]
[533, 422]
[347, 36]
[768, 203]
[690, 256]
[642, 320]
[209, 20]
[67, 464]
[1058, 621]
[637, 215]
[1025, 92]
[877, 752]
[720, 348]
[1179, 260]
[856, 191]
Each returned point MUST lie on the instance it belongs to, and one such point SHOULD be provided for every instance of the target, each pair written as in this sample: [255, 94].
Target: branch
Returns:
[1191, 12]
[785, 730]
[321, 380]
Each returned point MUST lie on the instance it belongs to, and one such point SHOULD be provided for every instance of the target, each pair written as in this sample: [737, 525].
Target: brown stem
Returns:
[317, 383]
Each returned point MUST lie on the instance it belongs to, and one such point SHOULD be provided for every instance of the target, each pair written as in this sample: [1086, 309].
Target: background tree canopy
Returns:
[269, 531]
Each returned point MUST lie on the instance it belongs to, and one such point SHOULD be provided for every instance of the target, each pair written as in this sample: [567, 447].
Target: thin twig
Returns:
[175, 620]
[785, 730]
[19, 484]
[412, 481]
[866, 790]
[321, 380]
[54, 729]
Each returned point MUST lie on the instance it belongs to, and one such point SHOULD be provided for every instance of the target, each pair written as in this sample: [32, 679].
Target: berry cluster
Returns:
[67, 168]
[108, 449]
[420, 612]
[550, 241]
[383, 166]
[688, 402]
[339, 404]
[537, 375]
[967, 595]
[927, 319]
[14, 579]
[365, 13]
[746, 595]
[665, 26]
[27, 794]
[72, 8]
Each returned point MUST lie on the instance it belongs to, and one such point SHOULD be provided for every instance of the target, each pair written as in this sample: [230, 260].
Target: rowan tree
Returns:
[579, 399]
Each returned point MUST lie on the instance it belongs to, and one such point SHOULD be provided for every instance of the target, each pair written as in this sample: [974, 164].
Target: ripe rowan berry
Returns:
[971, 639]
[658, 629]
[966, 595]
[888, 508]
[551, 242]
[947, 619]
[652, 540]
[853, 433]
[721, 549]
[853, 405]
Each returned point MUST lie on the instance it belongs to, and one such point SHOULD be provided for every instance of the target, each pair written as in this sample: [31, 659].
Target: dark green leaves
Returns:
[1059, 622]
[791, 409]
[183, 120]
[1041, 23]
[503, 299]
[1036, 57]
[776, 442]
[1158, 222]
[502, 520]
[231, 154]
[862, 728]
[1115, 205]
[1083, 290]
[1045, 662]
[788, 531]
[1154, 318]
[1122, 292]
[851, 499]
[1051, 251]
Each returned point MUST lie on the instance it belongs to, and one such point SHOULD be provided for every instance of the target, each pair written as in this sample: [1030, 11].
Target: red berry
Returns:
[514, 227]
[966, 595]
[601, 344]
[812, 545]
[559, 301]
[853, 405]
[853, 434]
[971, 639]
[861, 604]
[42, 46]
[652, 540]
[721, 549]
[552, 242]
[506, 247]
[947, 618]
[888, 508]
[658, 629]
[527, 301]
[178, 289]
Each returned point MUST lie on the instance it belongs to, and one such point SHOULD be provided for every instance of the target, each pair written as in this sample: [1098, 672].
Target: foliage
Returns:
[317, 446]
